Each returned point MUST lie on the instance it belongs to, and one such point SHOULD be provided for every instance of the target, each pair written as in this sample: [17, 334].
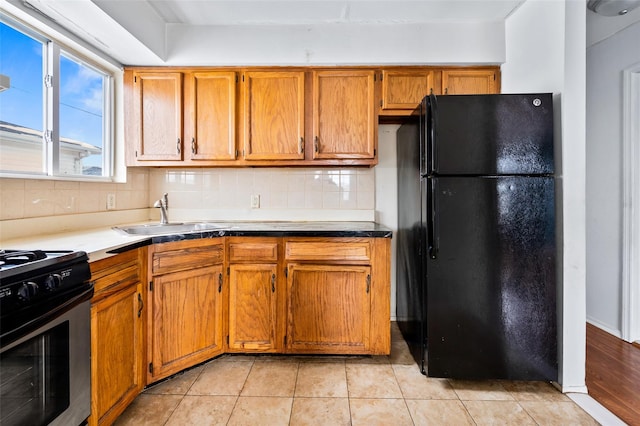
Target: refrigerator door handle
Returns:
[433, 119]
[433, 237]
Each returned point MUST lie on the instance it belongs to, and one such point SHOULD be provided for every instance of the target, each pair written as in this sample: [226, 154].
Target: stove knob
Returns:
[27, 290]
[52, 282]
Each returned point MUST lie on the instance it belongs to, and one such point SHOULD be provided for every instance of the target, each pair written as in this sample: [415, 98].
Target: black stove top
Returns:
[18, 262]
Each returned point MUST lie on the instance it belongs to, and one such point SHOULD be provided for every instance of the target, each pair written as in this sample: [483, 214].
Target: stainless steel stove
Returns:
[45, 337]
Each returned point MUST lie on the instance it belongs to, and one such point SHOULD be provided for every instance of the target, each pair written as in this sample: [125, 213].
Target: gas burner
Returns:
[19, 257]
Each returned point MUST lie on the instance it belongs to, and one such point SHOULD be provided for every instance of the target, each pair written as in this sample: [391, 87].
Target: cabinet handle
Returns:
[140, 304]
[178, 145]
[193, 145]
[219, 283]
[446, 89]
[368, 283]
[273, 283]
[431, 91]
[315, 144]
[301, 145]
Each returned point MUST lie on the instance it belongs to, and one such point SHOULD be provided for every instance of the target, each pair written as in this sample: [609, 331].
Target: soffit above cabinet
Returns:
[305, 12]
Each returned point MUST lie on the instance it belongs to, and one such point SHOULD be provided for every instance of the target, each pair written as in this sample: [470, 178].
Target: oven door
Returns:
[45, 376]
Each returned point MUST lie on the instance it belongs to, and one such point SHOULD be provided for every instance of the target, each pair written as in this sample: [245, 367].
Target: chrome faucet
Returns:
[163, 205]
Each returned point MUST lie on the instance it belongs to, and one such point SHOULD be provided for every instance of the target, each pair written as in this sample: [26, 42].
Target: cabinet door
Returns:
[344, 116]
[252, 307]
[186, 323]
[469, 82]
[117, 349]
[210, 104]
[273, 115]
[329, 308]
[406, 89]
[157, 107]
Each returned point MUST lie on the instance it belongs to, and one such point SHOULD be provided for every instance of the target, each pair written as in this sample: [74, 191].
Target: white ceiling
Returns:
[287, 12]
[137, 31]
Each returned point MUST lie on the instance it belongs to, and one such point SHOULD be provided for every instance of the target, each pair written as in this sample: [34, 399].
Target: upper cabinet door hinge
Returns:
[150, 285]
[236, 78]
[494, 76]
[135, 78]
[286, 272]
[48, 80]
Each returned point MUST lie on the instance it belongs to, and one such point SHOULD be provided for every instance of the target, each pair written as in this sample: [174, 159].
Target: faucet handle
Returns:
[165, 197]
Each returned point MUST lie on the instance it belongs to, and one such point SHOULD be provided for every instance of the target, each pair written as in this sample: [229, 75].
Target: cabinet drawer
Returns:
[182, 255]
[120, 270]
[241, 251]
[329, 250]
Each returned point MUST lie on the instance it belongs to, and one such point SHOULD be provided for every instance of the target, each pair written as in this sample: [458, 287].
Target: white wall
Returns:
[545, 51]
[605, 62]
[437, 43]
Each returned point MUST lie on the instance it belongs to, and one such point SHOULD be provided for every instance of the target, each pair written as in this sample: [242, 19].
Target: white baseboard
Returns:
[596, 410]
[603, 327]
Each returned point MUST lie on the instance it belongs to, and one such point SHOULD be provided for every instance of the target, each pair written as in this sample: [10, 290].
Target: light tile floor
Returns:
[387, 390]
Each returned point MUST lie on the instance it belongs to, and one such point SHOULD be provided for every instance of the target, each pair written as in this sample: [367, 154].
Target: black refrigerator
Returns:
[476, 244]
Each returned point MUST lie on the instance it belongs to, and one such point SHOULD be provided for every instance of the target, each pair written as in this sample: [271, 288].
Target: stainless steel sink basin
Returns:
[167, 228]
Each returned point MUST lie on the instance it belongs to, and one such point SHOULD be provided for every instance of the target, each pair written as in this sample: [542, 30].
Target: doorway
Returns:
[631, 205]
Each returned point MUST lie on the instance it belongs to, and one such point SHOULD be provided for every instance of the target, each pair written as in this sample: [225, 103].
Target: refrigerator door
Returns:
[490, 134]
[491, 292]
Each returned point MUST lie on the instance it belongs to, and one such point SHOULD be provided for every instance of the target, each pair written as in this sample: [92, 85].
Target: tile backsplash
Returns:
[30, 198]
[295, 191]
[286, 194]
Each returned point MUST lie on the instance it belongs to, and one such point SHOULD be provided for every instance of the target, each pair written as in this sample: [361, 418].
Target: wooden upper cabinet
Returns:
[406, 89]
[470, 82]
[273, 110]
[344, 114]
[210, 116]
[157, 109]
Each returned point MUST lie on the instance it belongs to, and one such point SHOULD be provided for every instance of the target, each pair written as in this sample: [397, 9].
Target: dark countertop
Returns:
[272, 229]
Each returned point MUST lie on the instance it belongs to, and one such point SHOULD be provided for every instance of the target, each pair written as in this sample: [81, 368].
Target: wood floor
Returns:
[613, 374]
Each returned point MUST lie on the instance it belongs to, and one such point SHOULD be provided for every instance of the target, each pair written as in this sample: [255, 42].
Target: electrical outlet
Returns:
[255, 201]
[111, 201]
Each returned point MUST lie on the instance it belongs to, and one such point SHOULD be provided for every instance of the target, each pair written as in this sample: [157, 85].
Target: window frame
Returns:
[53, 49]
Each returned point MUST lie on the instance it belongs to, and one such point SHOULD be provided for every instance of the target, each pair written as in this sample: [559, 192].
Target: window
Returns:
[55, 109]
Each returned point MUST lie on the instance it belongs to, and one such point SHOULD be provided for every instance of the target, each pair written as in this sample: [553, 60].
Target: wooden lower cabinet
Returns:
[329, 308]
[186, 309]
[338, 295]
[117, 334]
[252, 308]
[255, 294]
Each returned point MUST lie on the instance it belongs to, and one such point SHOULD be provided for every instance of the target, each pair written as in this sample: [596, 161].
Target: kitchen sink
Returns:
[167, 228]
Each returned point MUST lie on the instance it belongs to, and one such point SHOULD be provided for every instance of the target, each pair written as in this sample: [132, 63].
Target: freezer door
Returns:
[490, 134]
[491, 279]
